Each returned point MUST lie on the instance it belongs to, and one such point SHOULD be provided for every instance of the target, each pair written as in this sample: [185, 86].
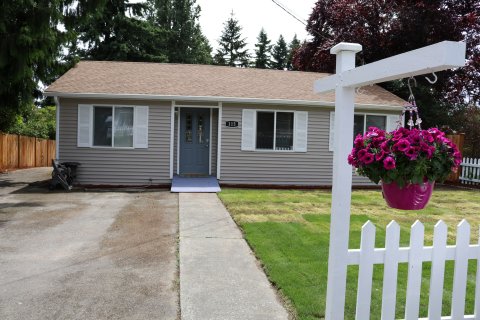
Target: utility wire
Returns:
[281, 6]
[287, 11]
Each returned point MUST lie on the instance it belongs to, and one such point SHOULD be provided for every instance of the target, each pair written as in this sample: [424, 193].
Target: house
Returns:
[132, 123]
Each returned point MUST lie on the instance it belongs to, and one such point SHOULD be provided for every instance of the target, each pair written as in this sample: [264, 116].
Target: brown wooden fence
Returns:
[18, 152]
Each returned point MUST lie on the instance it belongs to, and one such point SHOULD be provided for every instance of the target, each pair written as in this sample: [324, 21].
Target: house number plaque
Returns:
[231, 124]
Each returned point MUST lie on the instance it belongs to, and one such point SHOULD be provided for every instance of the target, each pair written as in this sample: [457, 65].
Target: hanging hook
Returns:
[434, 78]
[410, 87]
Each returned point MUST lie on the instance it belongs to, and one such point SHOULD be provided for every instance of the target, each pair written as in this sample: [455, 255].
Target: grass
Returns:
[289, 232]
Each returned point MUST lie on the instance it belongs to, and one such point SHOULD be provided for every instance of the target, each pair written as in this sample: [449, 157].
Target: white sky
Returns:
[252, 16]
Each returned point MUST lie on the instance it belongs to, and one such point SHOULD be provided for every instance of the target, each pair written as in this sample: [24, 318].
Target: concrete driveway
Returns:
[86, 255]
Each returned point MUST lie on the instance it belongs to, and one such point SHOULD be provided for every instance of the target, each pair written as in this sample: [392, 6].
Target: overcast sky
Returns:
[252, 16]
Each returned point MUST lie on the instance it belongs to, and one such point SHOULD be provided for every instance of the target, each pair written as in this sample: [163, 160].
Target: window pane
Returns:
[102, 126]
[265, 122]
[358, 122]
[188, 128]
[377, 121]
[123, 136]
[284, 134]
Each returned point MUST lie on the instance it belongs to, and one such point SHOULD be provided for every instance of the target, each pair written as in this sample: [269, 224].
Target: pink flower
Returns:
[402, 145]
[389, 163]
[359, 142]
[379, 156]
[412, 153]
[361, 153]
[368, 158]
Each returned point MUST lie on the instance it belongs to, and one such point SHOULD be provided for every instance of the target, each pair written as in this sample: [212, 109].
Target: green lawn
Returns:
[289, 232]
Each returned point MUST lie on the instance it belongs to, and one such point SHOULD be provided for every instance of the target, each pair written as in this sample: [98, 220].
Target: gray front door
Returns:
[194, 141]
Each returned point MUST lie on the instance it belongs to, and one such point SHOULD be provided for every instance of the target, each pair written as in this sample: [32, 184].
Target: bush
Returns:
[36, 122]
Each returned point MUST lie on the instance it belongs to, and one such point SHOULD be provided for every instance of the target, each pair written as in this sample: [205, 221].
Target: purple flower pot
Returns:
[410, 197]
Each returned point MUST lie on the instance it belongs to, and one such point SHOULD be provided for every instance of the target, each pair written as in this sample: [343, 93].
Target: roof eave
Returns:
[316, 103]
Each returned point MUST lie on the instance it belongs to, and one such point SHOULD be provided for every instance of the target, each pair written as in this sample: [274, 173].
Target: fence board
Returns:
[41, 157]
[438, 269]
[51, 151]
[365, 271]
[470, 171]
[26, 149]
[414, 271]
[390, 271]
[9, 157]
[461, 268]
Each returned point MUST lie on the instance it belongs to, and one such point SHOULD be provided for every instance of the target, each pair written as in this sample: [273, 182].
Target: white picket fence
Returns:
[470, 171]
[415, 255]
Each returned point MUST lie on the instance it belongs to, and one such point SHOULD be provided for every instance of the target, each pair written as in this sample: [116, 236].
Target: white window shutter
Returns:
[249, 120]
[332, 131]
[84, 125]
[392, 122]
[140, 136]
[301, 129]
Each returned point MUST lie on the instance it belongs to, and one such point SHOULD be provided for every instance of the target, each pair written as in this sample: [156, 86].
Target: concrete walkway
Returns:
[219, 275]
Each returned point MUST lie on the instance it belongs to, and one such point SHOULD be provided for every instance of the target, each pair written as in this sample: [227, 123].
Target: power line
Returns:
[281, 6]
[287, 11]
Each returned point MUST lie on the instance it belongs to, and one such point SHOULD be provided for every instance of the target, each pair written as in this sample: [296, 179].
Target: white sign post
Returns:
[436, 57]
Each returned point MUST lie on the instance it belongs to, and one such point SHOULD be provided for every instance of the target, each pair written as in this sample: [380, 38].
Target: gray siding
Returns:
[107, 166]
[313, 167]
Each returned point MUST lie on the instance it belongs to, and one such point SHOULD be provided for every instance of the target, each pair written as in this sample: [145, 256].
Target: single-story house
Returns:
[135, 123]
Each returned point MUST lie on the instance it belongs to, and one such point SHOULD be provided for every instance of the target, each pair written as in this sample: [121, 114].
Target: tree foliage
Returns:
[30, 53]
[292, 49]
[36, 122]
[262, 51]
[185, 40]
[280, 54]
[232, 50]
[118, 31]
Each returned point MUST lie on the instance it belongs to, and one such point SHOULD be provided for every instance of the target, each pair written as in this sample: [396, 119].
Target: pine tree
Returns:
[120, 31]
[280, 54]
[262, 53]
[186, 42]
[293, 46]
[231, 51]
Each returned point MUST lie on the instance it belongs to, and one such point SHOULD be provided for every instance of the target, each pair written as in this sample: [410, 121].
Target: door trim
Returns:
[179, 106]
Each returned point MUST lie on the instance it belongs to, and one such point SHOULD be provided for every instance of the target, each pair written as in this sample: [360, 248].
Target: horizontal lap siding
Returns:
[311, 168]
[109, 166]
[288, 168]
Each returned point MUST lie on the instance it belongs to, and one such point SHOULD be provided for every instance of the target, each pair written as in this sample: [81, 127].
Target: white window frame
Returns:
[274, 130]
[113, 106]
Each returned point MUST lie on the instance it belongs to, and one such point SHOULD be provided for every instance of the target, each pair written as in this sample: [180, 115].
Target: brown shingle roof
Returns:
[163, 79]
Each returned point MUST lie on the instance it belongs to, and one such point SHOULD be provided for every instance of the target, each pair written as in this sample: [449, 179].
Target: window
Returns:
[112, 126]
[361, 123]
[274, 130]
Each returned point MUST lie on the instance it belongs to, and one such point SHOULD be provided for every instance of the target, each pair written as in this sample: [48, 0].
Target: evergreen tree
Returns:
[262, 53]
[292, 48]
[231, 51]
[119, 31]
[186, 42]
[280, 54]
[30, 52]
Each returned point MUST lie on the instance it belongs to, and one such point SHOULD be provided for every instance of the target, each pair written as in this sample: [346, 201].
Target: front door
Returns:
[194, 141]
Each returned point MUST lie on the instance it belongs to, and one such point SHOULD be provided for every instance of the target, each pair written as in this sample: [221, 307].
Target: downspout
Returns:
[57, 128]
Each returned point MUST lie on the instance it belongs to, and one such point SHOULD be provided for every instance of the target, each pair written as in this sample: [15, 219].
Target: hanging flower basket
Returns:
[407, 161]
[413, 196]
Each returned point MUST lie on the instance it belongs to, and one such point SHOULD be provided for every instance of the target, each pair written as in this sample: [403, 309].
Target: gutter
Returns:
[316, 103]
